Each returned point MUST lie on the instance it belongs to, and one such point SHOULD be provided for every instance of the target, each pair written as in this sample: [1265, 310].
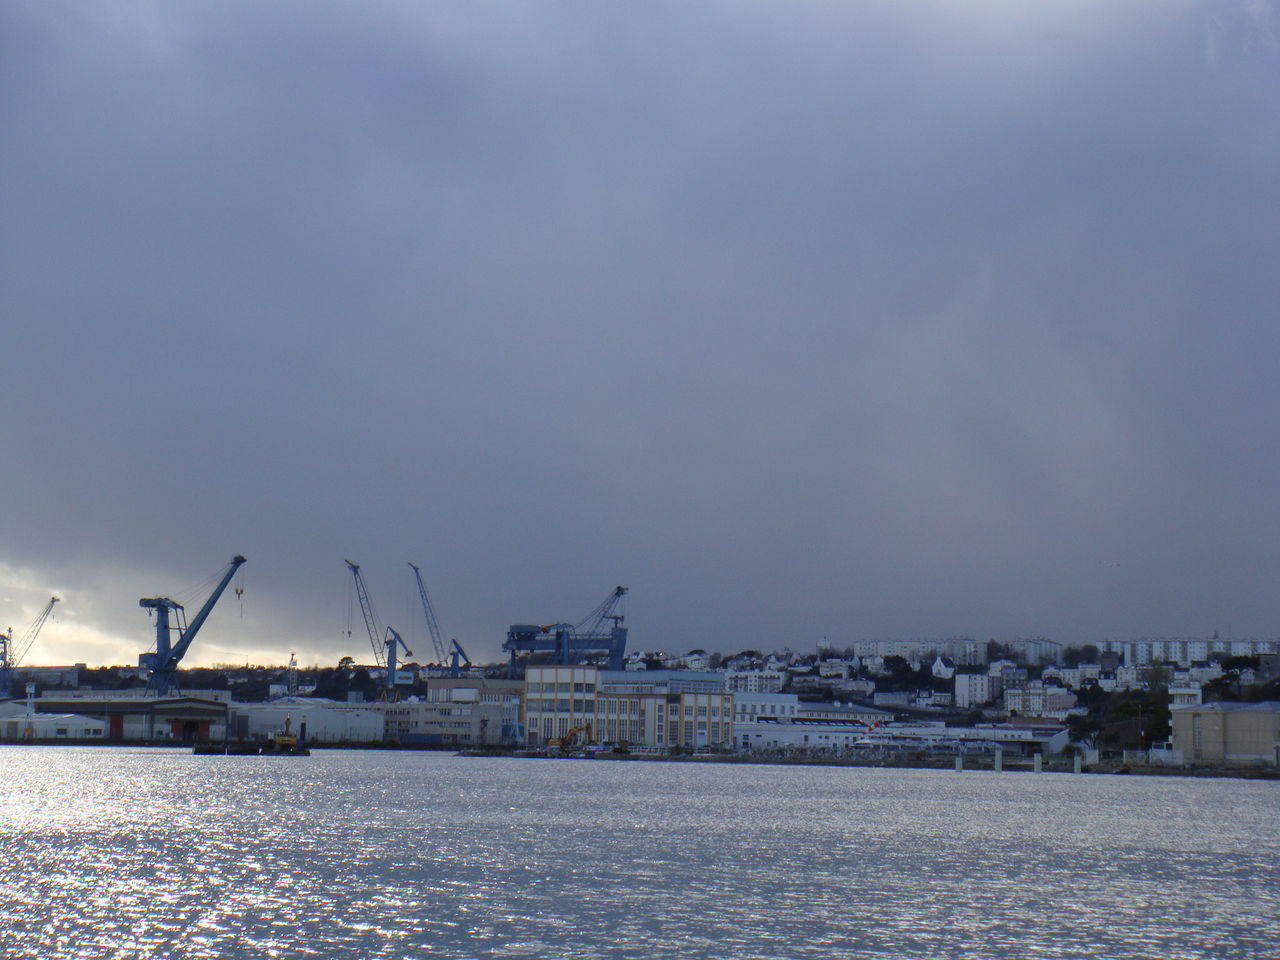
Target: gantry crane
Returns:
[568, 640]
[12, 651]
[162, 663]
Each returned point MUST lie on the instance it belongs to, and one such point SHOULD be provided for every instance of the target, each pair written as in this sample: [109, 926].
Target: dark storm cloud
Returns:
[802, 320]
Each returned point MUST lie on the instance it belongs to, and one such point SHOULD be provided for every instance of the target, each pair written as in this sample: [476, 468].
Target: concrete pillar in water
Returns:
[959, 763]
[1078, 763]
[1039, 762]
[998, 763]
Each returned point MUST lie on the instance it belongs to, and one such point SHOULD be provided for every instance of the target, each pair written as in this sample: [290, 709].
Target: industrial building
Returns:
[499, 720]
[324, 721]
[650, 708]
[17, 723]
[185, 719]
[749, 707]
[1227, 734]
[425, 723]
[767, 733]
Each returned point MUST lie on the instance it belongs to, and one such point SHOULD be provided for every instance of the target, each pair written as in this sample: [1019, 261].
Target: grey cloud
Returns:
[801, 320]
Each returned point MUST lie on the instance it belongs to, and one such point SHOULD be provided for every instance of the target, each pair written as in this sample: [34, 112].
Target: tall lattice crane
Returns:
[433, 626]
[12, 651]
[371, 622]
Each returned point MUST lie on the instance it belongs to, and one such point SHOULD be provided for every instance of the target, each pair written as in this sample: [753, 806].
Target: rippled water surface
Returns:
[132, 853]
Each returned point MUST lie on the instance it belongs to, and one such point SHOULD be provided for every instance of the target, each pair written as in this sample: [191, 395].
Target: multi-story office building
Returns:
[558, 699]
[486, 692]
[644, 708]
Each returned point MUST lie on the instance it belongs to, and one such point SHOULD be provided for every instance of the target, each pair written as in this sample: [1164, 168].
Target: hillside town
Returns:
[1173, 703]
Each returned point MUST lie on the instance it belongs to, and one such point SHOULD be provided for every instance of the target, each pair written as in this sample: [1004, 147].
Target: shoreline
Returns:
[972, 764]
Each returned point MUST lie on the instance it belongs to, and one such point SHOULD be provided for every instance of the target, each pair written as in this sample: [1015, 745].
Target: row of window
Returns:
[561, 706]
[560, 688]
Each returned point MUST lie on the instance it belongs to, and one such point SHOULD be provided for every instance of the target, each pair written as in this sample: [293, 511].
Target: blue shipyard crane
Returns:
[371, 622]
[454, 669]
[12, 651]
[162, 663]
[601, 631]
[433, 626]
[392, 643]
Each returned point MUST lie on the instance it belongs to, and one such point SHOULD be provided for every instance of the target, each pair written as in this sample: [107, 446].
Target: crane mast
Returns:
[12, 651]
[393, 642]
[163, 663]
[433, 626]
[454, 669]
[371, 623]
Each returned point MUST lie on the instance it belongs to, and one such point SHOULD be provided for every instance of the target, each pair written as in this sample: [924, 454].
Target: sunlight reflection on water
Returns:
[131, 853]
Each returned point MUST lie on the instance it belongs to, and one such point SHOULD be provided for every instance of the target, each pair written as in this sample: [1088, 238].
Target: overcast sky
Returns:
[803, 320]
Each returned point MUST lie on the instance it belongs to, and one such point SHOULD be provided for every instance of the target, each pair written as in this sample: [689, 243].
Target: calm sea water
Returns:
[110, 853]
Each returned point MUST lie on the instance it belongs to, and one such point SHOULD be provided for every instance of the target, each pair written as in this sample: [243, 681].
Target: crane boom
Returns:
[433, 626]
[567, 641]
[370, 615]
[163, 663]
[591, 625]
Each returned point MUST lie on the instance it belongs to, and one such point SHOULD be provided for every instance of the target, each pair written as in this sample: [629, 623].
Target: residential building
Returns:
[755, 681]
[1189, 695]
[972, 689]
[1037, 699]
[1185, 652]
